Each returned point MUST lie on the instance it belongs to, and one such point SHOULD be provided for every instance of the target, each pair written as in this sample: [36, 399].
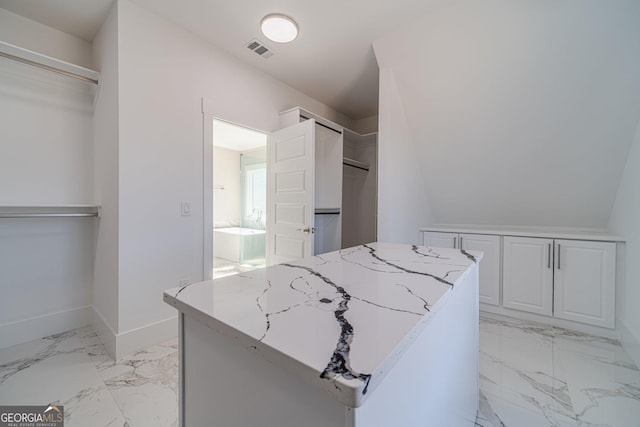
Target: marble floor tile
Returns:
[531, 375]
[603, 393]
[58, 369]
[145, 385]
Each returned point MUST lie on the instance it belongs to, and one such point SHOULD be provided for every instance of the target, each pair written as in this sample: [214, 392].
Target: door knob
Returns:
[307, 230]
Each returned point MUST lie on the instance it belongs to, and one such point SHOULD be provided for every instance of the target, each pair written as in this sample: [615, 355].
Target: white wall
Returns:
[226, 173]
[163, 73]
[45, 277]
[402, 204]
[625, 221]
[46, 158]
[46, 131]
[522, 112]
[32, 35]
[106, 181]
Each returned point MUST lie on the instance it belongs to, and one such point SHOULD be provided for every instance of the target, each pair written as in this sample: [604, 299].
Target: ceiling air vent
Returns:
[260, 49]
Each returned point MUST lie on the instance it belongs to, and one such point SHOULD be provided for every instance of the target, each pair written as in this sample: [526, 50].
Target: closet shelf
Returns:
[49, 63]
[327, 211]
[49, 211]
[355, 164]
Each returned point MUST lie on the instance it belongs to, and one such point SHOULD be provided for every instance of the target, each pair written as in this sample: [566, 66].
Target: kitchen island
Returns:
[374, 335]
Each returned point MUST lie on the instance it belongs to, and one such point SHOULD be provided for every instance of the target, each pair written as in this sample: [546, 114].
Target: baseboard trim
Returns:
[26, 330]
[631, 342]
[137, 339]
[123, 344]
[106, 334]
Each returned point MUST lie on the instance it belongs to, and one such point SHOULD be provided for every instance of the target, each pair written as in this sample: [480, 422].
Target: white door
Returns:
[290, 192]
[527, 275]
[489, 292]
[440, 240]
[585, 280]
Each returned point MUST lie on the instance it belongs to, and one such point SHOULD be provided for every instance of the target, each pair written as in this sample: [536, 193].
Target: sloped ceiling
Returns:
[522, 112]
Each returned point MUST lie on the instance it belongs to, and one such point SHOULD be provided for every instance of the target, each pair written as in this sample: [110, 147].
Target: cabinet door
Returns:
[489, 292]
[527, 275]
[584, 284]
[290, 193]
[440, 240]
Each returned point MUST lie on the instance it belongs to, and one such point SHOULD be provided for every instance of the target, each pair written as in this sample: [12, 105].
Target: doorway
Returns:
[239, 199]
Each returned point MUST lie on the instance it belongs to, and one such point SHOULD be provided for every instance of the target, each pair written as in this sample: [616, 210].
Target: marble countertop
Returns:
[339, 320]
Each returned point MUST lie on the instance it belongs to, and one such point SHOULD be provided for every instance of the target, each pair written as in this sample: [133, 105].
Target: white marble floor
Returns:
[72, 369]
[531, 375]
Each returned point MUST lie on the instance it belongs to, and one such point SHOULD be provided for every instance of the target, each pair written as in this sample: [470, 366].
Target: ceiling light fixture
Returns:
[279, 28]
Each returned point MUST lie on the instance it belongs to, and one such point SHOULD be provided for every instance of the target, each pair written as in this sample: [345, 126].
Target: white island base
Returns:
[229, 376]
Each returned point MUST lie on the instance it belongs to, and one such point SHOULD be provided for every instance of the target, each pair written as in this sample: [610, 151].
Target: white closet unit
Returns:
[359, 189]
[48, 224]
[345, 183]
[328, 189]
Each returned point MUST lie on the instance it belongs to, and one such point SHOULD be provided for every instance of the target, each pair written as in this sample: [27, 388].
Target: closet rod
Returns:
[48, 68]
[322, 124]
[354, 166]
[327, 211]
[50, 215]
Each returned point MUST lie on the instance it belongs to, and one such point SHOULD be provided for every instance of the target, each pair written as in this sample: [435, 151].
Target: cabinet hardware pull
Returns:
[460, 242]
[454, 242]
[558, 256]
[549, 257]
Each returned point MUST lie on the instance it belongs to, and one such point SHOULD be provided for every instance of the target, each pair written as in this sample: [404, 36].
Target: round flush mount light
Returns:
[279, 28]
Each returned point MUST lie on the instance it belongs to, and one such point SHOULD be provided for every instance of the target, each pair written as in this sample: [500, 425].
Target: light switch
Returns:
[186, 208]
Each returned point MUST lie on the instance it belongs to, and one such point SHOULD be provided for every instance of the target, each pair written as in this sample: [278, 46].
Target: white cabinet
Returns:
[527, 277]
[584, 282]
[489, 291]
[440, 240]
[557, 276]
[568, 279]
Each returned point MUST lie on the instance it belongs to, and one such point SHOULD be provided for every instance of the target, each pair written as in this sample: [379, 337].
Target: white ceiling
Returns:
[332, 60]
[238, 138]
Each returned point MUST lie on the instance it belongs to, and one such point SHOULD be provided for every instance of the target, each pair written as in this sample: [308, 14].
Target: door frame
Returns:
[209, 114]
